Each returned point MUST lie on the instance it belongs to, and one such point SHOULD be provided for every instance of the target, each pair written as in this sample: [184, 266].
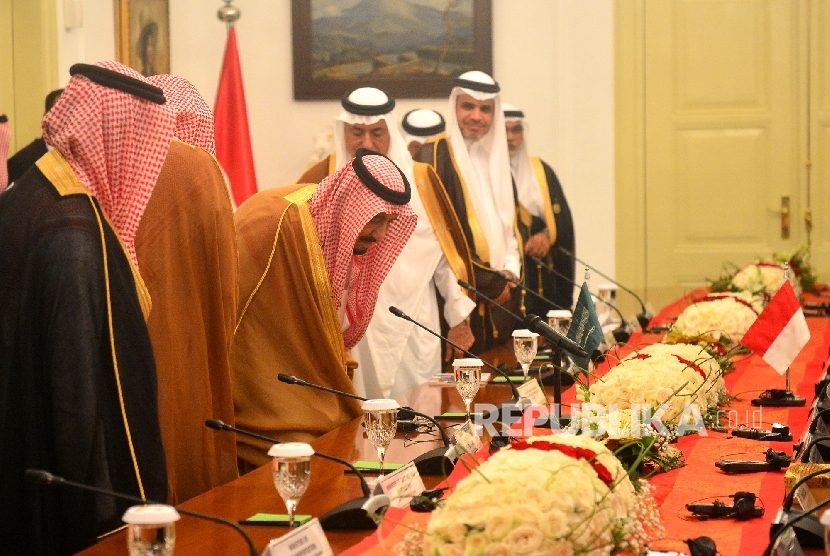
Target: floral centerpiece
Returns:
[762, 278]
[558, 494]
[723, 316]
[799, 262]
[666, 386]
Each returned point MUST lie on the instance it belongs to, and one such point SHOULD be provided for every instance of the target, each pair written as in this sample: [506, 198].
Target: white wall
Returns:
[553, 58]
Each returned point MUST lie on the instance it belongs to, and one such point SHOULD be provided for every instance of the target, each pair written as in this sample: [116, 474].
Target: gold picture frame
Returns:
[142, 35]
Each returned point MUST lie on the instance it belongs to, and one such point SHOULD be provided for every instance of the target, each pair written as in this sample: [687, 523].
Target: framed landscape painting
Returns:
[409, 48]
[142, 30]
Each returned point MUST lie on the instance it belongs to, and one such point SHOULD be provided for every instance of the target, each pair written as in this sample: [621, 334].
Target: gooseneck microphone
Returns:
[45, 478]
[348, 516]
[536, 324]
[644, 318]
[400, 314]
[490, 300]
[433, 462]
[524, 288]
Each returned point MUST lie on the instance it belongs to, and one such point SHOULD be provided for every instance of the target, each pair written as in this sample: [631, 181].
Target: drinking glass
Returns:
[380, 419]
[467, 380]
[560, 320]
[151, 530]
[291, 471]
[525, 344]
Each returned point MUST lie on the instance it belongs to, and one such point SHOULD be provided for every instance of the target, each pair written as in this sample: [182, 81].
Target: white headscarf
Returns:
[491, 148]
[527, 186]
[370, 96]
[420, 125]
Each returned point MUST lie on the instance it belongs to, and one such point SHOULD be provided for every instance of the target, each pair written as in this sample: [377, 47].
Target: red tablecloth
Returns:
[700, 478]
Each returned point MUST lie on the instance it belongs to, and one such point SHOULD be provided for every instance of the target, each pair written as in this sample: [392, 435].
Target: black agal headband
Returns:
[477, 85]
[114, 80]
[379, 189]
[367, 109]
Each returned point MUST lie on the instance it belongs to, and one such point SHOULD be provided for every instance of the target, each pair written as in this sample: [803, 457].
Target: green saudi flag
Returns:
[585, 329]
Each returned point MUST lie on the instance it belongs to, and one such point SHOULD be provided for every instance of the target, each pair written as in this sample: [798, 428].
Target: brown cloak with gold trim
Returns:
[287, 323]
[186, 251]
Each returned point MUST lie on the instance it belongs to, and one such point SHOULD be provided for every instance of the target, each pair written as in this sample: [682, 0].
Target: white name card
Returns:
[466, 438]
[402, 485]
[308, 540]
[532, 391]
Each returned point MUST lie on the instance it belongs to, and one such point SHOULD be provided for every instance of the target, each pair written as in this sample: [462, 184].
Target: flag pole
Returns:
[229, 14]
[775, 397]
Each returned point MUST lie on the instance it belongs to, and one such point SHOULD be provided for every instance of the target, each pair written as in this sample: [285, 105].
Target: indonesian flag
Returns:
[780, 331]
[233, 140]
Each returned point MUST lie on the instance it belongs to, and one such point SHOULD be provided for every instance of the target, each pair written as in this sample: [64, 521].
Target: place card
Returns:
[466, 438]
[402, 485]
[308, 540]
[532, 391]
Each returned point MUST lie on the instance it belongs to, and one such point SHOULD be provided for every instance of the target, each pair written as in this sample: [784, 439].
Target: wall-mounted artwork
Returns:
[409, 48]
[143, 35]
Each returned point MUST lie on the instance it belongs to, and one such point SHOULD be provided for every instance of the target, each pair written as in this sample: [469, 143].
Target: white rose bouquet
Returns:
[547, 495]
[650, 381]
[762, 278]
[723, 316]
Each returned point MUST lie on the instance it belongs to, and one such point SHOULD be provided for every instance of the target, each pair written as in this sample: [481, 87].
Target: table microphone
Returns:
[434, 462]
[809, 532]
[45, 478]
[621, 333]
[644, 318]
[348, 516]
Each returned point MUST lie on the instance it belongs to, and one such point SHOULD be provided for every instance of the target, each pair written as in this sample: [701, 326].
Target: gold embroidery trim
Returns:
[435, 214]
[480, 246]
[62, 177]
[541, 177]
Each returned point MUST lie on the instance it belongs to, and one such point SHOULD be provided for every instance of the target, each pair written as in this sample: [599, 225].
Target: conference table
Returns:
[698, 480]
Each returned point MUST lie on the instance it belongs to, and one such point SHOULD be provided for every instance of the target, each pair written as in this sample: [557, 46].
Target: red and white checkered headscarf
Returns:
[341, 207]
[116, 144]
[194, 120]
[5, 136]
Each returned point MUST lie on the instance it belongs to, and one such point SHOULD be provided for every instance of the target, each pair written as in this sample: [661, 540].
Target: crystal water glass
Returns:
[525, 344]
[560, 320]
[380, 419]
[291, 471]
[467, 374]
[151, 530]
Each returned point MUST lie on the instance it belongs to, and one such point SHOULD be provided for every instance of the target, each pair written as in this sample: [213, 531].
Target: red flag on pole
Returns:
[233, 139]
[780, 331]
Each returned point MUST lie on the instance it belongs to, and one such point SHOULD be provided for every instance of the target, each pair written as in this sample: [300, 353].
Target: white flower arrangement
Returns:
[548, 495]
[763, 278]
[724, 316]
[668, 385]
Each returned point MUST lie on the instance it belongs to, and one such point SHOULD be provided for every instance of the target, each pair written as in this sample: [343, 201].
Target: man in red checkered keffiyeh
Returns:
[194, 120]
[311, 261]
[79, 383]
[115, 143]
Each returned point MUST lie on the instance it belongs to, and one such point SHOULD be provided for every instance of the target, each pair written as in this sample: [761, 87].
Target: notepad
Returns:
[513, 378]
[374, 466]
[460, 415]
[275, 519]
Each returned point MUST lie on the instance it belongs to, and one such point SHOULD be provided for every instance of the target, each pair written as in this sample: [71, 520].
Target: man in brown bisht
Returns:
[187, 254]
[78, 392]
[311, 261]
[472, 161]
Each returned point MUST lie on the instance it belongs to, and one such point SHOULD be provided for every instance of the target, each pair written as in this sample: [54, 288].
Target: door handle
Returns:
[785, 217]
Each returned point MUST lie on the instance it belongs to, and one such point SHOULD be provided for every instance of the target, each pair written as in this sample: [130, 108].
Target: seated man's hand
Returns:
[504, 296]
[538, 245]
[462, 335]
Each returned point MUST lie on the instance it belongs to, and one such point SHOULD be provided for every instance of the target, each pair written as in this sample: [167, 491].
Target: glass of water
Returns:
[467, 380]
[151, 530]
[291, 471]
[380, 419]
[525, 344]
[560, 320]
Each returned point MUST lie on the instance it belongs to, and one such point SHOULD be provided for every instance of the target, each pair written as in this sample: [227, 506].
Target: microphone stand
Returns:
[644, 318]
[434, 462]
[44, 477]
[348, 516]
